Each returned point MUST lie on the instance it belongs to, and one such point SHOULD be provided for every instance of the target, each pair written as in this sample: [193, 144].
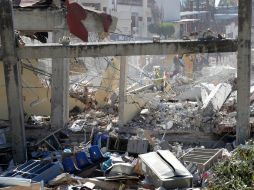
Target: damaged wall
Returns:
[109, 82]
[36, 97]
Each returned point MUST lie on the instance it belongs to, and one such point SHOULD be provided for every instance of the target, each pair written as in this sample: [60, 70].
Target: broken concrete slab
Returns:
[109, 82]
[191, 94]
[216, 99]
[204, 95]
[134, 103]
[64, 178]
[78, 125]
[101, 184]
[196, 92]
[144, 112]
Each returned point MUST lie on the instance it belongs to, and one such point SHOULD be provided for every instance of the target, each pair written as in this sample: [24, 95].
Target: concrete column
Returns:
[13, 82]
[122, 89]
[144, 29]
[243, 71]
[60, 89]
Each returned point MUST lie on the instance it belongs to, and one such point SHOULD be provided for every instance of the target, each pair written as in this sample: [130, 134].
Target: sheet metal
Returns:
[164, 170]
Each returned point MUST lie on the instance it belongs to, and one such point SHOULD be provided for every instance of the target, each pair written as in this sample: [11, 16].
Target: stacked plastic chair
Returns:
[83, 162]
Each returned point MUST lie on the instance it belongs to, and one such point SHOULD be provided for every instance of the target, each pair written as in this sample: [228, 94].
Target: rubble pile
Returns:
[99, 118]
[93, 153]
[186, 106]
[170, 116]
[206, 104]
[85, 95]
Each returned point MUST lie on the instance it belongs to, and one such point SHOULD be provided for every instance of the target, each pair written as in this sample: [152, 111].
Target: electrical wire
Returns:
[35, 69]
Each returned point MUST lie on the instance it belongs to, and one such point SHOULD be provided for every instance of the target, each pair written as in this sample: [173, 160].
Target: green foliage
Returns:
[154, 28]
[165, 29]
[237, 173]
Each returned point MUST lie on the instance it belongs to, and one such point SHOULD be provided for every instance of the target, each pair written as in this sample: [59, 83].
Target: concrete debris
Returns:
[63, 178]
[95, 152]
[89, 185]
[216, 98]
[78, 125]
[162, 115]
[144, 112]
[192, 94]
[122, 168]
[83, 94]
[215, 74]
[199, 91]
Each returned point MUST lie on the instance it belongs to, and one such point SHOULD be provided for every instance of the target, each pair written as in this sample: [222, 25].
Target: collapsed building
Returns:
[141, 122]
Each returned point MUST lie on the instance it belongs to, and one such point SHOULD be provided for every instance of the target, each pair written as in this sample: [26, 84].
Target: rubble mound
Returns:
[166, 115]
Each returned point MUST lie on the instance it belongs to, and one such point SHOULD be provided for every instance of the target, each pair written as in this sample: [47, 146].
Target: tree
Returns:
[164, 29]
[154, 28]
[167, 29]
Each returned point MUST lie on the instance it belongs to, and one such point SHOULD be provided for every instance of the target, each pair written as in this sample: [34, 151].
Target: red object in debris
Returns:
[76, 13]
[106, 21]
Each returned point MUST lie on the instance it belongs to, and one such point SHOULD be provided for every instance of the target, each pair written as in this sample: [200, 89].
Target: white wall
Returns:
[124, 22]
[135, 10]
[232, 30]
[170, 9]
[124, 13]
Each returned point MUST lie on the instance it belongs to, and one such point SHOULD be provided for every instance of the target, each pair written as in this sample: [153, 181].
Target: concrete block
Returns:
[134, 103]
[123, 168]
[216, 99]
[204, 95]
[191, 94]
[197, 92]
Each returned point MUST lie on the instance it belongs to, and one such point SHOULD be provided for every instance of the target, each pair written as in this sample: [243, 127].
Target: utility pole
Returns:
[243, 71]
[12, 72]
